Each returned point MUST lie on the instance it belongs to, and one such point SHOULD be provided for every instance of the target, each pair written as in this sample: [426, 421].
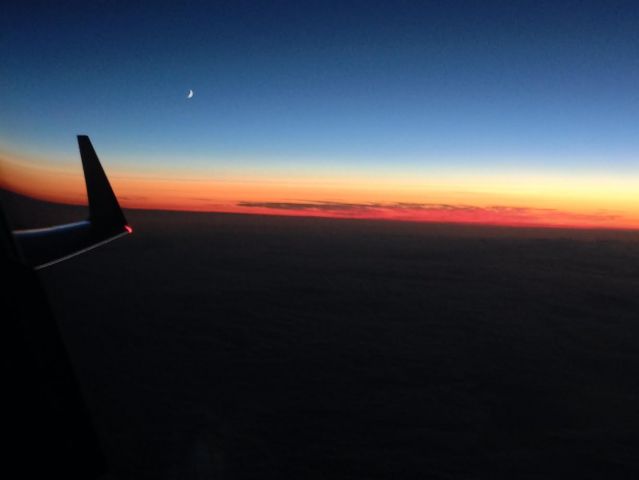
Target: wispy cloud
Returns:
[438, 212]
[316, 206]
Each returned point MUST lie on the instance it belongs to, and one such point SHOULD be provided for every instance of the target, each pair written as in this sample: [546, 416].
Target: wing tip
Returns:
[104, 208]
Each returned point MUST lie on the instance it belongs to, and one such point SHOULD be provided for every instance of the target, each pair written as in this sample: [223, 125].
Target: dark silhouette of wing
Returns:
[45, 419]
[42, 247]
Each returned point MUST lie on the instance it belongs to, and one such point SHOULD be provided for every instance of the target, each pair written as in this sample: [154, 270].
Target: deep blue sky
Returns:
[547, 85]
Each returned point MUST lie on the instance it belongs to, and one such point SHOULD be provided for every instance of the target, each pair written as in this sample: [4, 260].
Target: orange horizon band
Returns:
[527, 204]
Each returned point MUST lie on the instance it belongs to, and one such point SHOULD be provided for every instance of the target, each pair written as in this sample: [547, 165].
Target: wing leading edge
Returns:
[42, 247]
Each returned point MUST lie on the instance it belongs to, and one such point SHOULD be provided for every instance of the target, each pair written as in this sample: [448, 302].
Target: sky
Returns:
[513, 113]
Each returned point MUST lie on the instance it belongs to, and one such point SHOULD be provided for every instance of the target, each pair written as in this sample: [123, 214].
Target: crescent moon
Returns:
[190, 95]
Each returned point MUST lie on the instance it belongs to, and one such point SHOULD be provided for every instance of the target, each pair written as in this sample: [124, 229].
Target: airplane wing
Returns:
[46, 416]
[42, 247]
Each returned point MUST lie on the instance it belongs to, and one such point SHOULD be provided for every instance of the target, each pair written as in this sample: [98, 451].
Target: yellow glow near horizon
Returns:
[509, 198]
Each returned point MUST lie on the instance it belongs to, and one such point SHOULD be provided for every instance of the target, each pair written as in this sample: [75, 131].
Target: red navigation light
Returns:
[128, 229]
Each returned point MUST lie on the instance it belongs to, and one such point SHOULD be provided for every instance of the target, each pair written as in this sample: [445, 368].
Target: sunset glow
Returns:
[525, 200]
[506, 115]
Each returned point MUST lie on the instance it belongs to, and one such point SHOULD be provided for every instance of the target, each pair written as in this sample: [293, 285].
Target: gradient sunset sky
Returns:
[512, 112]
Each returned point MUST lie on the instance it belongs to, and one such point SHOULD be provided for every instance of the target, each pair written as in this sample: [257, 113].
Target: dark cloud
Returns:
[404, 209]
[133, 197]
[316, 206]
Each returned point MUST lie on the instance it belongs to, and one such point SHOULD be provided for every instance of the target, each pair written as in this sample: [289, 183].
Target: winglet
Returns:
[105, 213]
[41, 247]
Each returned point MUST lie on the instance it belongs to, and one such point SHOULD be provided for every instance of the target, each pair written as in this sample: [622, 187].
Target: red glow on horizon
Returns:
[543, 201]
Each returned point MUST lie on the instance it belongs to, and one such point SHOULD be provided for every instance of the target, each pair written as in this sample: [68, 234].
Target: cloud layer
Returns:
[443, 212]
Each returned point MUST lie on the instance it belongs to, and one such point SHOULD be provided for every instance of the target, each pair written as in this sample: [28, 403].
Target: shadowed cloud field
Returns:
[233, 346]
